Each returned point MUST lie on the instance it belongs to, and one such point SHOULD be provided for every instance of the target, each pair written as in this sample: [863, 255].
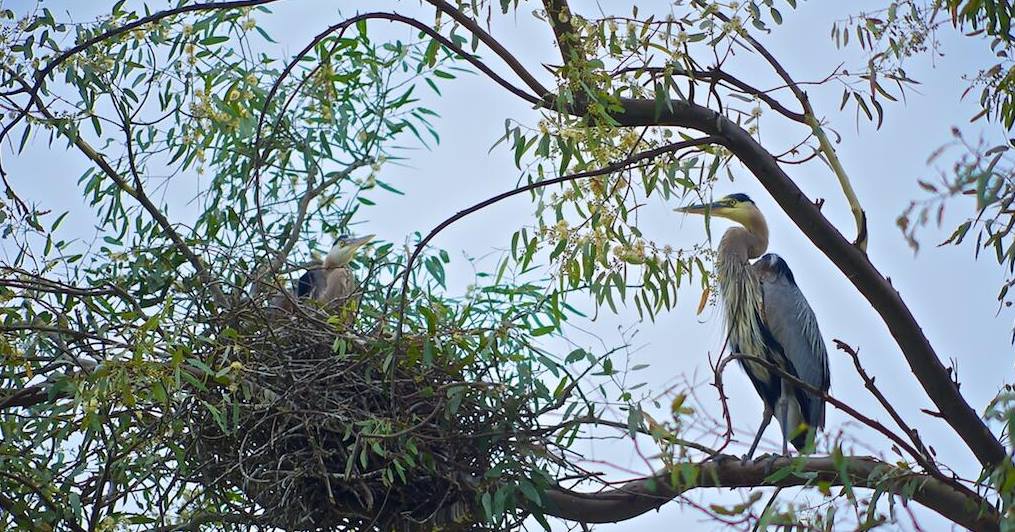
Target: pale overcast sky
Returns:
[952, 297]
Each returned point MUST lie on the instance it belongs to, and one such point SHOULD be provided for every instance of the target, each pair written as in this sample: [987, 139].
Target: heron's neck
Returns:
[738, 282]
[745, 243]
[334, 258]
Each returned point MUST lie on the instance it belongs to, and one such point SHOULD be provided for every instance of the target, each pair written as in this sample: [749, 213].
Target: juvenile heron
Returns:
[332, 280]
[339, 282]
[768, 317]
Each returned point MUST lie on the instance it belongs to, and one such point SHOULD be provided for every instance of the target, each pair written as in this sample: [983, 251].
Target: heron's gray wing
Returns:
[311, 284]
[792, 323]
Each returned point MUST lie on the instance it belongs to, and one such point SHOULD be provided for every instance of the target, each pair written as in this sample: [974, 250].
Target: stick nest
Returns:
[319, 433]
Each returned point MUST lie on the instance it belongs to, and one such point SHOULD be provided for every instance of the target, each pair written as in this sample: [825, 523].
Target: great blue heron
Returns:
[768, 317]
[328, 282]
[339, 282]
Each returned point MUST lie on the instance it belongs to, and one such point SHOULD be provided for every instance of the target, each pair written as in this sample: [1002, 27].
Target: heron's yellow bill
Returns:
[715, 208]
[344, 251]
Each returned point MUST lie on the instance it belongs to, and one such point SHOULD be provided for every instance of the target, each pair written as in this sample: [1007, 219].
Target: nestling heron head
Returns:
[344, 250]
[738, 207]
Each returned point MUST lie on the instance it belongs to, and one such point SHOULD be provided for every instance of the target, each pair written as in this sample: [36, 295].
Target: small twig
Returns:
[868, 382]
[827, 149]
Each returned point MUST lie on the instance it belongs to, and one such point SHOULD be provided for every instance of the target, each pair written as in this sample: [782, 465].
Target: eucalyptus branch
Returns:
[643, 495]
[827, 149]
[40, 76]
[608, 169]
[46, 500]
[341, 27]
[136, 192]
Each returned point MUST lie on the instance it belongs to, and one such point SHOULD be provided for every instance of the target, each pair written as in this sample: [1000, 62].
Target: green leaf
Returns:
[541, 331]
[575, 356]
[530, 492]
[212, 41]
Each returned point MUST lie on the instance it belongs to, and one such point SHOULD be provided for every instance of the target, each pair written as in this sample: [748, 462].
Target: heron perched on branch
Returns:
[768, 317]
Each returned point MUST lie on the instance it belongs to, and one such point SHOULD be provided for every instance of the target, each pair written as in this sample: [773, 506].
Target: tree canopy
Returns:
[147, 383]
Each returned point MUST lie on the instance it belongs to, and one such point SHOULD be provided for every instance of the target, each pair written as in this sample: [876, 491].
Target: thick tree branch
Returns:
[640, 496]
[560, 20]
[827, 149]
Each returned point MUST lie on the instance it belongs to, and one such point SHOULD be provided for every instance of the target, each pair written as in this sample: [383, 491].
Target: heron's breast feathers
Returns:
[744, 310]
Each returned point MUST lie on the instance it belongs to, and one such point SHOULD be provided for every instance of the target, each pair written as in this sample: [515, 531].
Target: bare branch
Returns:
[868, 383]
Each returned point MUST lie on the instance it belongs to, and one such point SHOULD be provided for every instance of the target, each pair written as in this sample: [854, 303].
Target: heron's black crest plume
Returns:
[740, 196]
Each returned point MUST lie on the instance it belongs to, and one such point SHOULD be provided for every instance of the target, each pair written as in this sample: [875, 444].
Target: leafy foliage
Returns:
[150, 381]
[155, 346]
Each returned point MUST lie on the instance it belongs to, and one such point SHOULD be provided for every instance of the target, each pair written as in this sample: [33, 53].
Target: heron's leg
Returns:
[765, 420]
[783, 416]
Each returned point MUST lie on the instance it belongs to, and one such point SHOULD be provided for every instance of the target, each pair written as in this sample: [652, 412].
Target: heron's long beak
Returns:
[343, 255]
[355, 243]
[702, 208]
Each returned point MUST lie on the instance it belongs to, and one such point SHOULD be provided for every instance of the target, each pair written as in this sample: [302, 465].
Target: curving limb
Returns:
[643, 495]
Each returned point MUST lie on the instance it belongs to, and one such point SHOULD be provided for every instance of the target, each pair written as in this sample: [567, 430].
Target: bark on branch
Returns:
[640, 496]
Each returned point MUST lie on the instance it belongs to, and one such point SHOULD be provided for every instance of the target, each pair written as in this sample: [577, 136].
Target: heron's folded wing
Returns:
[792, 323]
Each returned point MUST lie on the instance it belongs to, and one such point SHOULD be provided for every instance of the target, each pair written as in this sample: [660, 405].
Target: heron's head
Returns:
[344, 250]
[772, 267]
[737, 207]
